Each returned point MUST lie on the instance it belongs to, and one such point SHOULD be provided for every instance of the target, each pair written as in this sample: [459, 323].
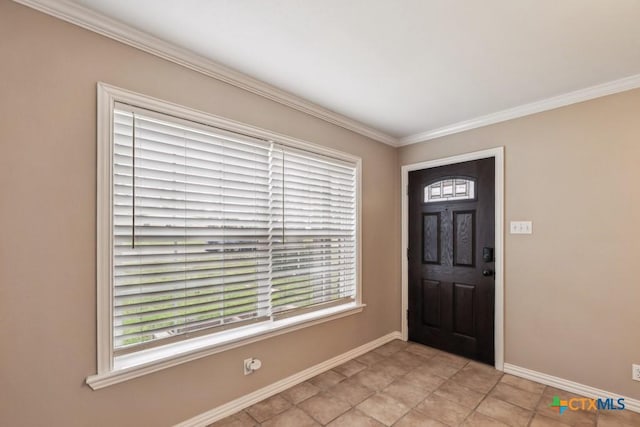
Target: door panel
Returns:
[431, 238]
[463, 309]
[464, 233]
[451, 220]
[431, 296]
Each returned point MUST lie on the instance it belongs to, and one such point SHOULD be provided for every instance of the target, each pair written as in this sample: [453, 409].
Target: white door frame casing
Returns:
[498, 154]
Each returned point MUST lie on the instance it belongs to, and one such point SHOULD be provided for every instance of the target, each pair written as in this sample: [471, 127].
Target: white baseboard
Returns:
[247, 400]
[567, 385]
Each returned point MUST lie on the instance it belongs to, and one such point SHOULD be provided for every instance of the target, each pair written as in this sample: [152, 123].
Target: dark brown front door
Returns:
[451, 260]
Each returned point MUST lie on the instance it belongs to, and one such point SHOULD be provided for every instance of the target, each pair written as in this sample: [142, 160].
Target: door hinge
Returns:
[406, 189]
[407, 253]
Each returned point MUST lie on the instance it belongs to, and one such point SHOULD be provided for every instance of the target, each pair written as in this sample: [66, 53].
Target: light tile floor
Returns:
[406, 384]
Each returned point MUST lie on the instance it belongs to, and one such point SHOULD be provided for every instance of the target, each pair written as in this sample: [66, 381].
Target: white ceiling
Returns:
[404, 67]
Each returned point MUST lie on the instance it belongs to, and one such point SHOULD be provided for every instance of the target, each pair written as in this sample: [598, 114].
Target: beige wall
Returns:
[48, 75]
[571, 288]
[571, 295]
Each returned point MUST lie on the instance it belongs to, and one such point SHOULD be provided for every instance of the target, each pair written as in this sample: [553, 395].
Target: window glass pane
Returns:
[450, 189]
[190, 230]
[314, 231]
[214, 230]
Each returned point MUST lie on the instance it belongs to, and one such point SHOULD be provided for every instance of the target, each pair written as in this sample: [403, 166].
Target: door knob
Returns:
[487, 273]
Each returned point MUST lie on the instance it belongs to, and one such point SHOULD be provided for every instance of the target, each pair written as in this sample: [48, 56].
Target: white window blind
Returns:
[213, 229]
[313, 207]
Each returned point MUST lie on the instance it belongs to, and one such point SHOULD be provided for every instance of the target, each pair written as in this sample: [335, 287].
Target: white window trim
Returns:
[154, 359]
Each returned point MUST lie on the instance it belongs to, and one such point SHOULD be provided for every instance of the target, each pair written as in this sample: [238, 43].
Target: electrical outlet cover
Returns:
[247, 366]
[635, 372]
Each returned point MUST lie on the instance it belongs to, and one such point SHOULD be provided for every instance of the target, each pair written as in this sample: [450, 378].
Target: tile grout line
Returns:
[428, 394]
[483, 399]
[256, 421]
[402, 376]
[351, 407]
[535, 408]
[426, 358]
[473, 409]
[433, 356]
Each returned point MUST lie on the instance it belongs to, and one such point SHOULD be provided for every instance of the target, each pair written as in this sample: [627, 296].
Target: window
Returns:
[450, 189]
[214, 232]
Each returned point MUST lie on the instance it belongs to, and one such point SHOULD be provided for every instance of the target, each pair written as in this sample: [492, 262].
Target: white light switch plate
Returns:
[521, 227]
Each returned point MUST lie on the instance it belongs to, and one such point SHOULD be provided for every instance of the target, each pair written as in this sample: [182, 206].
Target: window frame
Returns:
[110, 371]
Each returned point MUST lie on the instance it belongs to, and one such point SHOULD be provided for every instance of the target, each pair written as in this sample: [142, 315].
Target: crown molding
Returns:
[98, 23]
[103, 25]
[597, 91]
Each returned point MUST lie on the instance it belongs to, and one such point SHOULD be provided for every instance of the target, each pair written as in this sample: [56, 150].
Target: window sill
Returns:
[147, 361]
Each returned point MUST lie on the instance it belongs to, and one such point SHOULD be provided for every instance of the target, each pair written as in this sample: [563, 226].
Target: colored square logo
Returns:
[560, 405]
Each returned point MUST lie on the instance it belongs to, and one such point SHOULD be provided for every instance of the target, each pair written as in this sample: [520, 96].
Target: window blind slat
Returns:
[145, 270]
[142, 332]
[143, 313]
[133, 301]
[178, 327]
[174, 260]
[241, 306]
[309, 293]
